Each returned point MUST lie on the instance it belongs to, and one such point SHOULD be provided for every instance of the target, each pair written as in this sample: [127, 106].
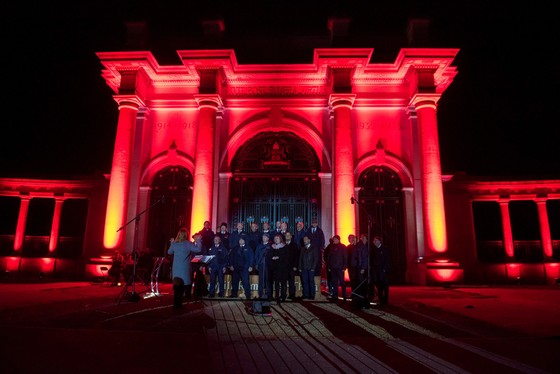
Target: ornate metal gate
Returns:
[381, 213]
[174, 212]
[275, 198]
[275, 176]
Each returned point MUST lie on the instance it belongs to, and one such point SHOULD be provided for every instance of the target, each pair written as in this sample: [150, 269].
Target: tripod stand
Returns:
[133, 296]
[367, 282]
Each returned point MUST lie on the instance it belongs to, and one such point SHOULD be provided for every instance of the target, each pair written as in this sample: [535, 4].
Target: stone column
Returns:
[217, 197]
[432, 186]
[208, 106]
[21, 223]
[55, 228]
[506, 228]
[223, 198]
[327, 213]
[343, 164]
[545, 228]
[117, 202]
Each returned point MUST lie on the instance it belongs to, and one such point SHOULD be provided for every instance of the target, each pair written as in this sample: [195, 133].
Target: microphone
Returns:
[352, 200]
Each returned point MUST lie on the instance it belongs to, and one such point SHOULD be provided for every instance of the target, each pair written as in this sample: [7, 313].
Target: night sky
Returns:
[497, 119]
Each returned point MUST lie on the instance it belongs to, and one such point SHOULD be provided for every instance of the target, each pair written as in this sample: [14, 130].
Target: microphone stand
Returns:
[133, 296]
[370, 287]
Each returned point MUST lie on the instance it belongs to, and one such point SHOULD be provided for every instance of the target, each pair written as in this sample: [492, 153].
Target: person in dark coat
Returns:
[116, 268]
[308, 260]
[262, 265]
[293, 264]
[207, 235]
[299, 233]
[224, 235]
[317, 237]
[236, 234]
[217, 266]
[254, 236]
[279, 267]
[241, 264]
[336, 259]
[360, 259]
[381, 268]
[352, 261]
[266, 227]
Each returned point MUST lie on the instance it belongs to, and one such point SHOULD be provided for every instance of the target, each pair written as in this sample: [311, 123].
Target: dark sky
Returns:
[498, 118]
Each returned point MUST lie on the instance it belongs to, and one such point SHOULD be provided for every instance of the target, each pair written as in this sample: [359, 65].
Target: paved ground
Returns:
[82, 327]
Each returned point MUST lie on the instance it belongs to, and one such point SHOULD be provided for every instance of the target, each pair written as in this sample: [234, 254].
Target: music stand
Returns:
[133, 296]
[154, 279]
[199, 279]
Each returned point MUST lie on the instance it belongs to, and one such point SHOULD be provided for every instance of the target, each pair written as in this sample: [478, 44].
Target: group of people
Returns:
[122, 266]
[277, 256]
[368, 269]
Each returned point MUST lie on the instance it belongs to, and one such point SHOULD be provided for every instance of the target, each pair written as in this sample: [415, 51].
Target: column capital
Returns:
[128, 101]
[420, 100]
[324, 176]
[341, 100]
[211, 101]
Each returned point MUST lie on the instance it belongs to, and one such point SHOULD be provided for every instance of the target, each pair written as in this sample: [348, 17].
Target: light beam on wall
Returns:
[118, 188]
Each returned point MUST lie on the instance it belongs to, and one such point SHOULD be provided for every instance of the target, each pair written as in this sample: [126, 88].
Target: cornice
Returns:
[280, 79]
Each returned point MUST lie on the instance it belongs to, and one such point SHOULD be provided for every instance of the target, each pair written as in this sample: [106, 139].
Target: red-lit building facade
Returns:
[211, 139]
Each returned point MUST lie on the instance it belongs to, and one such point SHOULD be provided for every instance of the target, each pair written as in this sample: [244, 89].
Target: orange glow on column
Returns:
[22, 221]
[434, 209]
[545, 228]
[506, 227]
[204, 167]
[120, 171]
[55, 228]
[343, 165]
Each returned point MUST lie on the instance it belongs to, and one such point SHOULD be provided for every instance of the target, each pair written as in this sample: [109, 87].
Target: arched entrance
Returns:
[275, 176]
[174, 183]
[381, 198]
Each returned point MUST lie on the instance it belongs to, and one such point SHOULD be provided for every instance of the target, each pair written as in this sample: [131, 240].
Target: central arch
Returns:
[275, 175]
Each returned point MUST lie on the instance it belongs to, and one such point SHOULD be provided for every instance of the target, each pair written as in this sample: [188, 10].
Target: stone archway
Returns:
[381, 197]
[174, 183]
[275, 175]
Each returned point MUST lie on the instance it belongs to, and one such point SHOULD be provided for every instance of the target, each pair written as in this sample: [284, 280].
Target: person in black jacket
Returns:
[317, 237]
[217, 266]
[381, 268]
[293, 264]
[279, 267]
[308, 259]
[207, 236]
[337, 262]
[240, 262]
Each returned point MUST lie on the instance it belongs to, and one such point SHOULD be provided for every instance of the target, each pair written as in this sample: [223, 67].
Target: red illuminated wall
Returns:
[215, 105]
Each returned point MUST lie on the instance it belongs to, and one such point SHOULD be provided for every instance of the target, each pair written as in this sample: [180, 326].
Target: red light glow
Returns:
[12, 263]
[343, 165]
[513, 270]
[431, 177]
[22, 220]
[118, 188]
[204, 161]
